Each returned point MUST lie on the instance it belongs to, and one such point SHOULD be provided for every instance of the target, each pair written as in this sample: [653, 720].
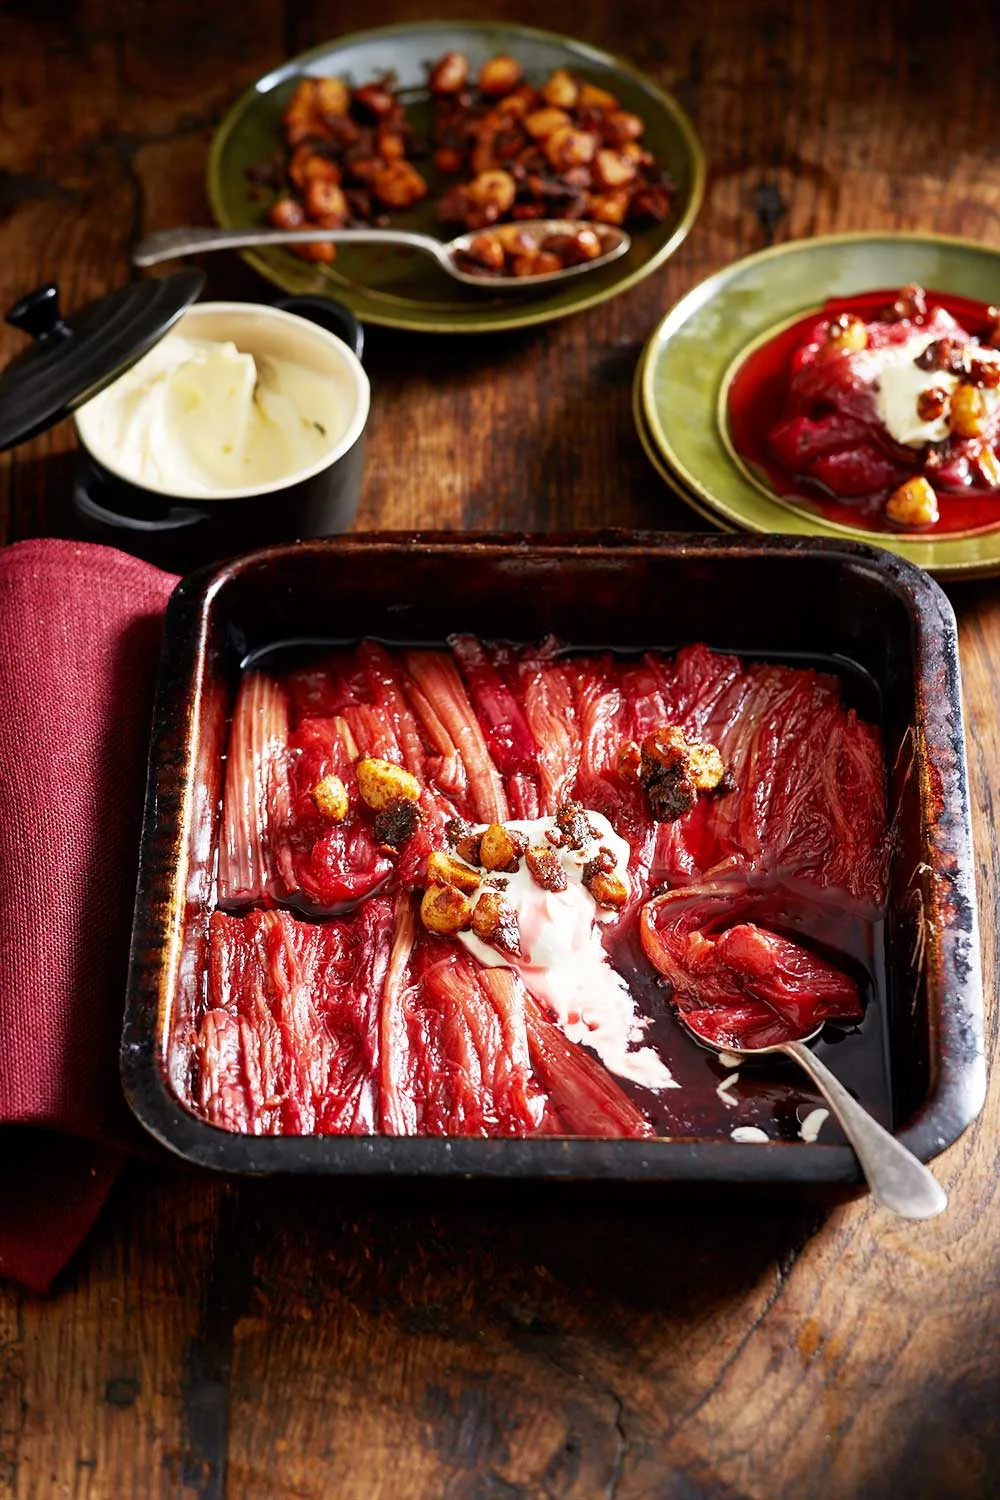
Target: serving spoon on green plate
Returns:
[896, 1179]
[170, 244]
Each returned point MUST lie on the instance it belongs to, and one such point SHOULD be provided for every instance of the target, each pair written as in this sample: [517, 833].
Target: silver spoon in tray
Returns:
[897, 1180]
[169, 244]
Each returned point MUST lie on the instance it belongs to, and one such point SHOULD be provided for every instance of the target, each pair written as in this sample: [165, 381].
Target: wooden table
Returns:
[218, 1339]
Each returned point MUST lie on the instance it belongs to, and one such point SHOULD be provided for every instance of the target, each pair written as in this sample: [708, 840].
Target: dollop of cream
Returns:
[563, 961]
[749, 1135]
[899, 383]
[813, 1123]
[201, 417]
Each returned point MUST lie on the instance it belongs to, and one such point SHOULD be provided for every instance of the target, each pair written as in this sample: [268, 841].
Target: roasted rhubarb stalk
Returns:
[257, 795]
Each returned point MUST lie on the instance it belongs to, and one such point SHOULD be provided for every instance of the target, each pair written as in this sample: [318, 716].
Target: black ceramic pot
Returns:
[185, 531]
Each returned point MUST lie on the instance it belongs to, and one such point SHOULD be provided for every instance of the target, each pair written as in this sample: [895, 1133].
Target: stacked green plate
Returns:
[683, 376]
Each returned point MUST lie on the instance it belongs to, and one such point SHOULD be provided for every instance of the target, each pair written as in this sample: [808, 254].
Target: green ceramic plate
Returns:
[691, 356]
[406, 290]
[649, 448]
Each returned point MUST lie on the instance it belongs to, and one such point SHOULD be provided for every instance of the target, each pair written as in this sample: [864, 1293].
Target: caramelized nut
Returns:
[541, 123]
[494, 920]
[450, 74]
[612, 169]
[571, 820]
[846, 335]
[498, 76]
[487, 250]
[547, 264]
[398, 184]
[546, 868]
[946, 354]
[609, 208]
[984, 373]
[374, 100]
[445, 869]
[931, 403]
[909, 306]
[307, 165]
[323, 254]
[326, 204]
[621, 126]
[567, 147]
[629, 761]
[967, 418]
[330, 797]
[607, 888]
[989, 466]
[560, 89]
[462, 839]
[913, 504]
[287, 214]
[494, 188]
[705, 766]
[445, 910]
[586, 245]
[381, 782]
[992, 335]
[591, 97]
[330, 97]
[500, 848]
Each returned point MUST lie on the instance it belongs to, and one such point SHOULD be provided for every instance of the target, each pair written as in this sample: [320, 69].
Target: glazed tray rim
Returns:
[957, 1086]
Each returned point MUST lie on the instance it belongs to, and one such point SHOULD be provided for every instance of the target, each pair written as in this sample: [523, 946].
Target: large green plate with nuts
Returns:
[403, 289]
[689, 360]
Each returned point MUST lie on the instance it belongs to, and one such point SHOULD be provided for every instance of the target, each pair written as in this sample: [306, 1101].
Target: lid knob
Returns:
[38, 314]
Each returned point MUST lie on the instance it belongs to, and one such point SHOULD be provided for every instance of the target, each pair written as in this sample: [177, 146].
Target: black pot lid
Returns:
[74, 358]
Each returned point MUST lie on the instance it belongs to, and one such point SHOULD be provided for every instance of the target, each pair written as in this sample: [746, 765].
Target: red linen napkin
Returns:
[80, 631]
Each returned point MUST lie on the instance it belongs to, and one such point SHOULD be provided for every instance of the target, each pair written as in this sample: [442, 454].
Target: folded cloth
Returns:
[79, 644]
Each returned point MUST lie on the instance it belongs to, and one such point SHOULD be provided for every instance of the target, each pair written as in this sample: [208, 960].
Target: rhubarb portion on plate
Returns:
[460, 890]
[885, 409]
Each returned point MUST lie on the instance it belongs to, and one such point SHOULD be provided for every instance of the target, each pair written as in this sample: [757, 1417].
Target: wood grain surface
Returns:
[215, 1339]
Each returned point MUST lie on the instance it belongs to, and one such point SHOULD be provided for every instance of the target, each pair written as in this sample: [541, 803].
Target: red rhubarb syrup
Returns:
[758, 398]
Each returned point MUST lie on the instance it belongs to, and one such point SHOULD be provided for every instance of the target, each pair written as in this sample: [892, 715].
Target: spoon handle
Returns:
[896, 1178]
[168, 244]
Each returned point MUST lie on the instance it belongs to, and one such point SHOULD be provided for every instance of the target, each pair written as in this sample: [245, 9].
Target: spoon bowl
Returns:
[171, 244]
[895, 1177]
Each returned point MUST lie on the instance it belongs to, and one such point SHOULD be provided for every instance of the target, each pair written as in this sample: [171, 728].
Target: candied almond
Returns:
[607, 888]
[330, 797]
[909, 306]
[445, 910]
[846, 335]
[449, 74]
[398, 184]
[988, 464]
[445, 869]
[560, 89]
[541, 123]
[500, 848]
[967, 416]
[913, 504]
[498, 76]
[931, 403]
[992, 335]
[612, 169]
[494, 920]
[331, 96]
[567, 147]
[591, 97]
[493, 188]
[381, 782]
[705, 766]
[546, 868]
[629, 761]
